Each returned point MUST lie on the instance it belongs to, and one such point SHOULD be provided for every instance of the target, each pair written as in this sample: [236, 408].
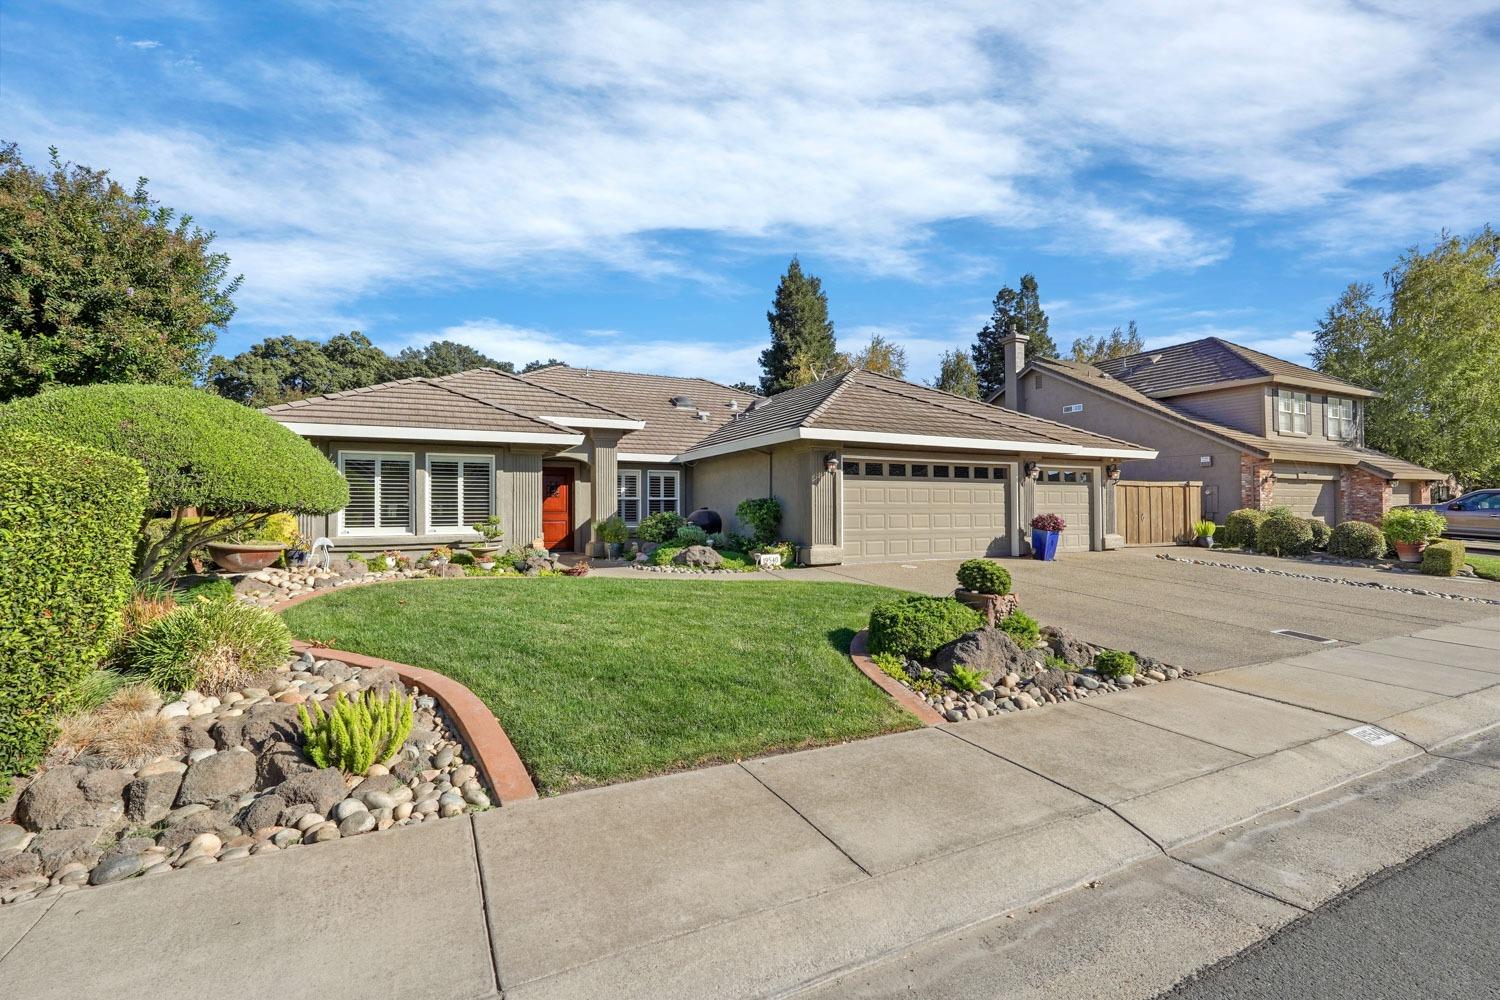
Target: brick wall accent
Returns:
[1364, 496]
[1257, 486]
[1421, 493]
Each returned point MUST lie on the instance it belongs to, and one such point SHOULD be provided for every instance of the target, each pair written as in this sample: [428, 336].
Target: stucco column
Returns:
[604, 493]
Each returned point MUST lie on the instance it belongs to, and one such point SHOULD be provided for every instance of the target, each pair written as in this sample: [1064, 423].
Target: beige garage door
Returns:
[1068, 492]
[1401, 494]
[914, 510]
[1307, 497]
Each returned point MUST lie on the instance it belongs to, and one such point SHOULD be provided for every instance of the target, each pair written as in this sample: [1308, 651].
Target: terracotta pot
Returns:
[1410, 551]
[245, 558]
[992, 606]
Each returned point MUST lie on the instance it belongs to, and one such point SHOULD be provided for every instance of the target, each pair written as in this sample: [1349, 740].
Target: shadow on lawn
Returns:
[840, 638]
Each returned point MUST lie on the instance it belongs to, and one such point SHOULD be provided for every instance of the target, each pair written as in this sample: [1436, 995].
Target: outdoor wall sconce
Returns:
[1113, 473]
[832, 461]
[1033, 471]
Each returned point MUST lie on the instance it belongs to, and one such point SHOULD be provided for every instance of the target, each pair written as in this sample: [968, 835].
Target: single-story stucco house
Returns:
[1255, 430]
[866, 467]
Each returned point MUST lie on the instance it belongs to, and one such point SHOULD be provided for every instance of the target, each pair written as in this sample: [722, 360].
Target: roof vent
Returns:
[1155, 358]
[683, 403]
[703, 415]
[734, 406]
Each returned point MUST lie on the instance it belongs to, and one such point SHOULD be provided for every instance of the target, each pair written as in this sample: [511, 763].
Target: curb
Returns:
[859, 652]
[493, 752]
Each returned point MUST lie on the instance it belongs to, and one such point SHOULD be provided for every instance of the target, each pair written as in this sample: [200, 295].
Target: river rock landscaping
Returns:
[1396, 567]
[206, 780]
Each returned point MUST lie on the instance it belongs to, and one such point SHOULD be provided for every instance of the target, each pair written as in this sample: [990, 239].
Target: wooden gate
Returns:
[1157, 513]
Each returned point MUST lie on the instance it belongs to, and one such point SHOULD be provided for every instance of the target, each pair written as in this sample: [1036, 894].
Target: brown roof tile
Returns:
[415, 402]
[1204, 363]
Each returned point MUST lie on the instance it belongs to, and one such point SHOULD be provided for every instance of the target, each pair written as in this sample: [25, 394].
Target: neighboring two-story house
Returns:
[1255, 430]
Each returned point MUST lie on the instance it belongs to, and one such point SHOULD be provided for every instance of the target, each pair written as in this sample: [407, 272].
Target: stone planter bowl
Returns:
[1410, 552]
[246, 557]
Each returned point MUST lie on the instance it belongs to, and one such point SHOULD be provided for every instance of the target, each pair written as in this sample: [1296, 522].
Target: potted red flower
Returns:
[1046, 529]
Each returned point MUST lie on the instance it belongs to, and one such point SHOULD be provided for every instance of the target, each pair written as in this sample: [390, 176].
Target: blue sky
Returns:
[620, 185]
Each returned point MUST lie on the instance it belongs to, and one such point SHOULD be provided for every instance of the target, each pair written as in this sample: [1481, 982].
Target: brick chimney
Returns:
[1014, 346]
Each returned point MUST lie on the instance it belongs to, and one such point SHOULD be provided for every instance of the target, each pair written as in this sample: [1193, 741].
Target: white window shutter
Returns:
[360, 472]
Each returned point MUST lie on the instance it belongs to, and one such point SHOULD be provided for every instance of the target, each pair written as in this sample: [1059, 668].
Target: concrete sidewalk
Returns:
[1208, 812]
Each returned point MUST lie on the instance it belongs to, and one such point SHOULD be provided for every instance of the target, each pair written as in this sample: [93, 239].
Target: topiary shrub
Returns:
[660, 527]
[1284, 535]
[984, 577]
[690, 534]
[68, 516]
[1022, 628]
[1356, 540]
[237, 467]
[209, 646]
[1113, 663]
[1320, 533]
[916, 625]
[358, 733]
[1444, 558]
[762, 516]
[1240, 528]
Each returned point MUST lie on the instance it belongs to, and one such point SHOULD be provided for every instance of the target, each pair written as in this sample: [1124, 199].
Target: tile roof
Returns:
[862, 401]
[669, 430]
[1210, 361]
[413, 402]
[515, 392]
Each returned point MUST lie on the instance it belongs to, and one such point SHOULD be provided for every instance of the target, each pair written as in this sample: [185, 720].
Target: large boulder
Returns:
[1051, 681]
[347, 568]
[53, 800]
[56, 848]
[217, 777]
[149, 797]
[104, 787]
[269, 723]
[320, 789]
[263, 812]
[698, 557]
[1074, 651]
[987, 650]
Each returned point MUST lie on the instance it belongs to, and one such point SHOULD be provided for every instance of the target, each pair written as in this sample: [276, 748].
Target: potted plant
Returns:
[985, 586]
[614, 533]
[1046, 529]
[439, 556]
[1203, 534]
[1409, 530]
[245, 557]
[491, 530]
[391, 558]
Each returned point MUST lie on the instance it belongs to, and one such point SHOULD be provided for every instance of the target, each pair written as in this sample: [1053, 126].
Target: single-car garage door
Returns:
[1068, 492]
[1307, 497]
[923, 510]
[1401, 493]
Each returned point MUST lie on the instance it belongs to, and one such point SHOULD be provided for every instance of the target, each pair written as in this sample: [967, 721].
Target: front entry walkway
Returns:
[764, 877]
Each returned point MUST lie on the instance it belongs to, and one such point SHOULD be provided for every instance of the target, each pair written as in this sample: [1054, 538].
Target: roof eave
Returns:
[836, 435]
[447, 435]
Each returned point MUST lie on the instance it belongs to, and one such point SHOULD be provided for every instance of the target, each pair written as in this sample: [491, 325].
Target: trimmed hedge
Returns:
[917, 625]
[1114, 663]
[1241, 527]
[1320, 532]
[68, 517]
[1356, 540]
[660, 527]
[1284, 535]
[1444, 558]
[984, 577]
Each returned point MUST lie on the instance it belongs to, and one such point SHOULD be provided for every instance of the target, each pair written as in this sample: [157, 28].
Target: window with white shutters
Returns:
[630, 496]
[460, 491]
[1340, 418]
[1291, 412]
[379, 494]
[662, 491]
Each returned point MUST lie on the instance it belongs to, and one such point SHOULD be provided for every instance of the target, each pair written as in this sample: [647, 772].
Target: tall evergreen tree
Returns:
[1019, 309]
[802, 340]
[956, 374]
[1119, 344]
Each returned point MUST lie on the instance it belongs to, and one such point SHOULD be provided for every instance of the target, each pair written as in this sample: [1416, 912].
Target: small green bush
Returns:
[916, 625]
[660, 527]
[1241, 528]
[690, 534]
[68, 518]
[1058, 663]
[1114, 663]
[892, 666]
[613, 530]
[1204, 529]
[356, 733]
[1320, 532]
[1284, 535]
[209, 646]
[663, 554]
[762, 516]
[1356, 540]
[1444, 558]
[207, 590]
[462, 558]
[961, 678]
[1022, 628]
[984, 577]
[1403, 524]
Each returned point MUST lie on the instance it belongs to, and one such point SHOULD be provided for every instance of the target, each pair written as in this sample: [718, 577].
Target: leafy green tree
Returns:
[532, 366]
[956, 374]
[881, 356]
[101, 284]
[1119, 344]
[1432, 351]
[802, 338]
[749, 387]
[1019, 310]
[282, 368]
[442, 357]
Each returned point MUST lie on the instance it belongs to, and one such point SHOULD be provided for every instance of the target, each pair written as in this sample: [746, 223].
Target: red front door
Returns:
[557, 509]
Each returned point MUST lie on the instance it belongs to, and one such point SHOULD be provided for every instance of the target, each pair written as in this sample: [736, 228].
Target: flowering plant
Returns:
[1048, 522]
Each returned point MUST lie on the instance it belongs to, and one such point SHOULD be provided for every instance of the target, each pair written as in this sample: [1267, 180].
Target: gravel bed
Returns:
[1369, 584]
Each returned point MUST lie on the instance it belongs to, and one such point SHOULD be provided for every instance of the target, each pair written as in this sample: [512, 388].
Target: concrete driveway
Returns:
[1203, 617]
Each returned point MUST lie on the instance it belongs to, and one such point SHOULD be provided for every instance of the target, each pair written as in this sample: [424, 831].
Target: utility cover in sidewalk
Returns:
[1373, 735]
[1303, 635]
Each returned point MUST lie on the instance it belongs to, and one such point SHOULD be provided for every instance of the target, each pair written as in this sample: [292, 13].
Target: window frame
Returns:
[620, 476]
[465, 522]
[341, 530]
[1292, 412]
[676, 477]
[1349, 425]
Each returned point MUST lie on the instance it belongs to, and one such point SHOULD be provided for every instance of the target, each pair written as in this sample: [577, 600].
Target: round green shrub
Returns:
[984, 577]
[660, 527]
[916, 625]
[613, 530]
[68, 517]
[1320, 532]
[1022, 628]
[1356, 540]
[1284, 535]
[690, 534]
[209, 646]
[762, 516]
[462, 558]
[1444, 558]
[1240, 528]
[1114, 663]
[1403, 524]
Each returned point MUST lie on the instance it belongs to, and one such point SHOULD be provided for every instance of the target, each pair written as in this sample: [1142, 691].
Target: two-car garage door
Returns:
[924, 510]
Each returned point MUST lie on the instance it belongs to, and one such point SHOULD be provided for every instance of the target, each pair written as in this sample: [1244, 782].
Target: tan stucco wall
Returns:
[721, 483]
[1242, 407]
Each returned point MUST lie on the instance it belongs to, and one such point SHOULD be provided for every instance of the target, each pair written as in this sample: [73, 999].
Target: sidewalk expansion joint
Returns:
[821, 832]
[45, 910]
[484, 905]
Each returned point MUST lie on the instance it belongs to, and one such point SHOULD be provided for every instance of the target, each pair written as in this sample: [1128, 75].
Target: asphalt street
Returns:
[1424, 930]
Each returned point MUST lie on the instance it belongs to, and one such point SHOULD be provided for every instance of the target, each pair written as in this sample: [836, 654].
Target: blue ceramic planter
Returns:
[1044, 544]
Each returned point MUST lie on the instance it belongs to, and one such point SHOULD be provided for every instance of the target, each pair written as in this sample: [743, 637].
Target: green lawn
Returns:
[598, 680]
[1486, 566]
